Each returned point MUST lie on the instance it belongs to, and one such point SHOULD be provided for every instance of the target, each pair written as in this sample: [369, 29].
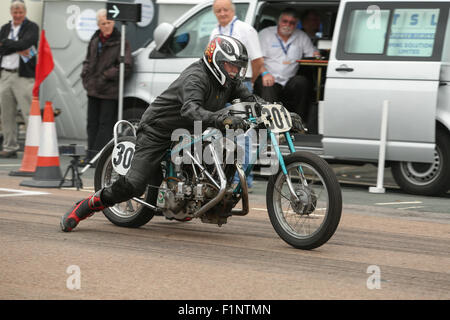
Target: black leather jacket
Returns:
[27, 37]
[194, 96]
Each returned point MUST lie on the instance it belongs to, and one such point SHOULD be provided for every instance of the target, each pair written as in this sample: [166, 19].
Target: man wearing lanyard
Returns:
[282, 46]
[16, 74]
[230, 25]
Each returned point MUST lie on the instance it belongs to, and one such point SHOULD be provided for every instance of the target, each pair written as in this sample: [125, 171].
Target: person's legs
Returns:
[247, 145]
[269, 94]
[23, 91]
[107, 118]
[8, 105]
[92, 125]
[145, 168]
[296, 96]
[245, 142]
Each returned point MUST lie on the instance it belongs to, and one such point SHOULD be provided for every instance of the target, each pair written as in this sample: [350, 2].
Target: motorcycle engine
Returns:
[180, 199]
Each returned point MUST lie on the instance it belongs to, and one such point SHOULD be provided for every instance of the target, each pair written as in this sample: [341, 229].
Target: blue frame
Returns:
[170, 169]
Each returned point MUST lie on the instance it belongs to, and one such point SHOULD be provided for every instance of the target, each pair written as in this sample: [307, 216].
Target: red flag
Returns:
[44, 65]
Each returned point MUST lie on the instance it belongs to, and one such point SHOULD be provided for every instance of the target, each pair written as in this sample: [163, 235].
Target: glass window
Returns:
[413, 32]
[366, 31]
[191, 38]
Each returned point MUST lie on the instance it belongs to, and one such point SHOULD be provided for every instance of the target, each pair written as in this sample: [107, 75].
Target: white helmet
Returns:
[222, 50]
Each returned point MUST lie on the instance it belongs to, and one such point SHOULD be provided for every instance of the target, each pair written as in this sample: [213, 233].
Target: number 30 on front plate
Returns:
[276, 118]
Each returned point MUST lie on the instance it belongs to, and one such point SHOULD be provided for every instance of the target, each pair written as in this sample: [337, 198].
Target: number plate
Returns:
[121, 157]
[276, 118]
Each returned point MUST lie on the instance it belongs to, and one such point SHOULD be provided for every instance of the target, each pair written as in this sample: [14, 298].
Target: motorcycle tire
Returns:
[129, 214]
[321, 201]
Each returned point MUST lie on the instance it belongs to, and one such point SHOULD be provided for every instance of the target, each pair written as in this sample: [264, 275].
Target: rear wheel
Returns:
[128, 214]
[426, 178]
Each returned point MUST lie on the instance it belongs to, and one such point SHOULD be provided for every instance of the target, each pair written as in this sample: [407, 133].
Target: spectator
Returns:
[17, 73]
[282, 46]
[311, 25]
[100, 76]
[230, 25]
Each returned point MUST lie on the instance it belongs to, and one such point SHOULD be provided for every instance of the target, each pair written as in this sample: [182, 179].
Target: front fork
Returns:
[283, 165]
[281, 161]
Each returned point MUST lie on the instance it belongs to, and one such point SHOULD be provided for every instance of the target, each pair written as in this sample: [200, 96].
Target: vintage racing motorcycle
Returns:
[303, 196]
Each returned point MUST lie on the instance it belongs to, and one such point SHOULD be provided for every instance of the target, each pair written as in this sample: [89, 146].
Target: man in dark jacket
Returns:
[202, 88]
[18, 42]
[100, 77]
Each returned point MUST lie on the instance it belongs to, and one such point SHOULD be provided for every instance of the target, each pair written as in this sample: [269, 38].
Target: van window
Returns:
[366, 32]
[413, 32]
[191, 38]
[392, 31]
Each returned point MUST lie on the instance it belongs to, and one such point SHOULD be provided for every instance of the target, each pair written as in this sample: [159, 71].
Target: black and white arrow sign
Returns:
[115, 11]
[126, 12]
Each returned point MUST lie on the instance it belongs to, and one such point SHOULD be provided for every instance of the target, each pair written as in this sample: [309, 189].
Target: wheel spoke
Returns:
[125, 209]
[301, 224]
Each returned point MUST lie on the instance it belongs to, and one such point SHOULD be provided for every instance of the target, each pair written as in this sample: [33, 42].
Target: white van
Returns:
[380, 50]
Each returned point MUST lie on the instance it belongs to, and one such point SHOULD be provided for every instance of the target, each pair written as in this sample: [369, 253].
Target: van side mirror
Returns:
[162, 33]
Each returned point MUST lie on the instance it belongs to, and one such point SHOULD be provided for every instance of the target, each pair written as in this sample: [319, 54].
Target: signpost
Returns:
[123, 12]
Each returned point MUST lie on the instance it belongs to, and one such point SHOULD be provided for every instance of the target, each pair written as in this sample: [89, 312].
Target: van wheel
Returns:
[426, 178]
[133, 114]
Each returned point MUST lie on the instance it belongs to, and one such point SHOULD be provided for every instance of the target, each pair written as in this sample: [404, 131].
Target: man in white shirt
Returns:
[17, 73]
[230, 25]
[283, 45]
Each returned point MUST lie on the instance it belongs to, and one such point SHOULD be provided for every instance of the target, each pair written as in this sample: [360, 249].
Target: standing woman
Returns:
[100, 78]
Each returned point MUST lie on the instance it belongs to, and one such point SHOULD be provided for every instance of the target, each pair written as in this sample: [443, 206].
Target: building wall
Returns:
[171, 10]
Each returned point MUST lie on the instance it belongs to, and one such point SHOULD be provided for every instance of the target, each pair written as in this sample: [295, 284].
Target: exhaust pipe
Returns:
[223, 185]
[244, 193]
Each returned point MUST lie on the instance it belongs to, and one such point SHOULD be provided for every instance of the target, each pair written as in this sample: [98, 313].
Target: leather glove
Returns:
[297, 123]
[226, 121]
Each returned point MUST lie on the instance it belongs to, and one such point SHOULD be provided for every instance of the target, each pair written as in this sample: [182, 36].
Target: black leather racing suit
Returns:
[194, 96]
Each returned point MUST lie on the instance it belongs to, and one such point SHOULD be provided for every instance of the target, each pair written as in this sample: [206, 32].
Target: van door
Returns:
[186, 45]
[384, 51]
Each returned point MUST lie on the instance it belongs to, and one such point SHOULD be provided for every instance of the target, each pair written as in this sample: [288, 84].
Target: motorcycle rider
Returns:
[201, 89]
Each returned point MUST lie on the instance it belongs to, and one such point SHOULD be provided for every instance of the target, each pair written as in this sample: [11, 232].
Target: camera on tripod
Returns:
[75, 151]
[72, 150]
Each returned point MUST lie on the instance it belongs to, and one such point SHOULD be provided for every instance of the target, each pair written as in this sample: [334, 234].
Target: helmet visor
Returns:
[236, 70]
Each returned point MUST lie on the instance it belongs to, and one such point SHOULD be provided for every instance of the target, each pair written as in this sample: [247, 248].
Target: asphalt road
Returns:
[389, 246]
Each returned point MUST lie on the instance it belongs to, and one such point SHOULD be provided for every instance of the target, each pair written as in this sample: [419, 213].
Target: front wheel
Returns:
[128, 214]
[312, 221]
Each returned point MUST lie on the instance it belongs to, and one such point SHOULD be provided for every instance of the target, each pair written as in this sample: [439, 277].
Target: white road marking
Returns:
[9, 165]
[416, 207]
[20, 193]
[84, 189]
[403, 202]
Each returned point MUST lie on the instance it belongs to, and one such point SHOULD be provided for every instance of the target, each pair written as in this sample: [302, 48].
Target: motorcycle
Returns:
[303, 196]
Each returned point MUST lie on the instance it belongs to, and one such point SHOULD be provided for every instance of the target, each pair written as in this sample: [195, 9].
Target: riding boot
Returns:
[82, 210]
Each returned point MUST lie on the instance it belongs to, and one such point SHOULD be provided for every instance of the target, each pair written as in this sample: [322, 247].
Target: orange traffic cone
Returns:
[30, 155]
[48, 172]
